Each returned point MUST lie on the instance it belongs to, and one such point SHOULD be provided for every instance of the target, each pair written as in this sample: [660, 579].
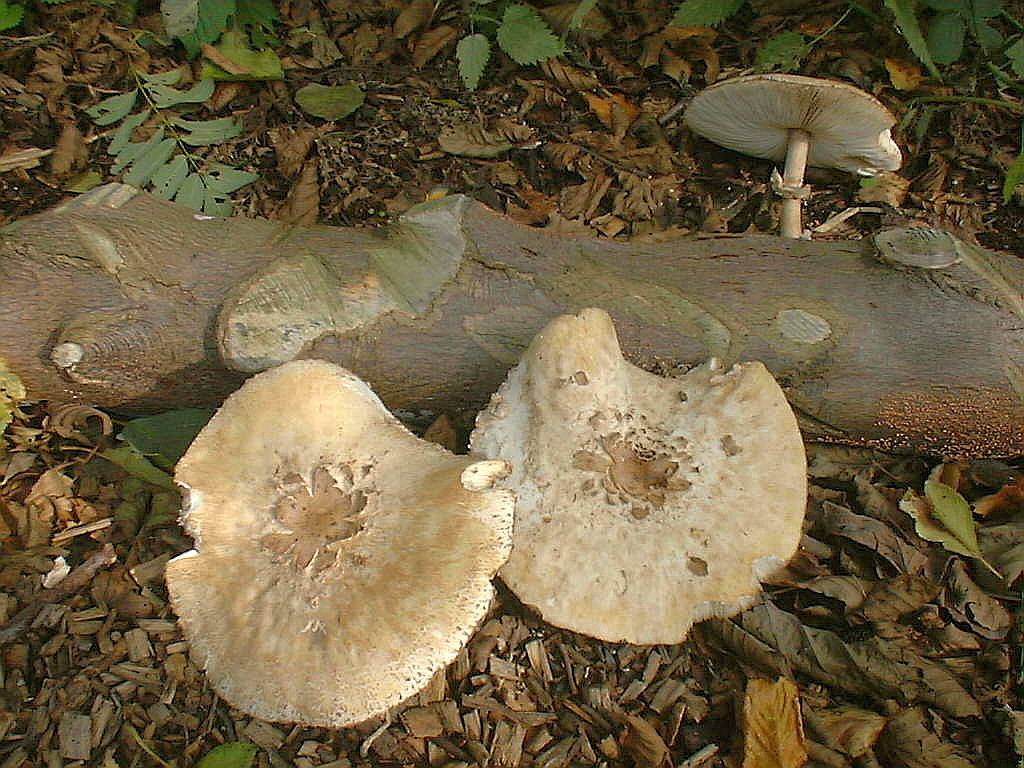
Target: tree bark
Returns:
[124, 301]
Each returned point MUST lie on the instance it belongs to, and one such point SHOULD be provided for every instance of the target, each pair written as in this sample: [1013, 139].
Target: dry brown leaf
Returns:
[773, 732]
[615, 112]
[1007, 500]
[885, 187]
[303, 203]
[291, 147]
[644, 743]
[468, 140]
[970, 604]
[431, 43]
[873, 534]
[905, 75]
[615, 68]
[906, 741]
[227, 64]
[565, 156]
[675, 66]
[413, 16]
[849, 590]
[650, 54]
[778, 641]
[891, 599]
[582, 201]
[851, 730]
[116, 589]
[360, 44]
[70, 152]
[594, 25]
[569, 76]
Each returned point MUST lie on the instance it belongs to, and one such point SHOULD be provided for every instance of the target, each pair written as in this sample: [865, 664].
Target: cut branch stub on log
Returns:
[125, 301]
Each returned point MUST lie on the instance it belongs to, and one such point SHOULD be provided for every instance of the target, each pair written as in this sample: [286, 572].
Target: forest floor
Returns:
[903, 652]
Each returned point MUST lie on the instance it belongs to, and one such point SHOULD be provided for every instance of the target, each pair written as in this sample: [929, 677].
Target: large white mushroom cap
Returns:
[848, 128]
[644, 504]
[339, 561]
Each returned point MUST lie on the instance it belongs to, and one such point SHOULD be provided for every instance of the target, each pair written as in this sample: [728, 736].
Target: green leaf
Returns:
[781, 53]
[180, 16]
[134, 150]
[988, 37]
[12, 390]
[254, 65]
[945, 517]
[906, 23]
[190, 193]
[1015, 53]
[167, 434]
[115, 108]
[473, 51]
[83, 182]
[331, 102]
[526, 37]
[986, 9]
[149, 162]
[230, 755]
[215, 205]
[223, 179]
[203, 133]
[259, 14]
[168, 179]
[705, 13]
[946, 37]
[579, 14]
[1014, 176]
[123, 136]
[164, 97]
[170, 77]
[10, 16]
[210, 23]
[137, 465]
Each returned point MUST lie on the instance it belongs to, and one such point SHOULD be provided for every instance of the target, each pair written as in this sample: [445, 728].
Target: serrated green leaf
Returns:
[180, 16]
[526, 37]
[1015, 53]
[190, 193]
[1014, 176]
[908, 26]
[167, 434]
[115, 108]
[231, 755]
[170, 77]
[123, 135]
[253, 65]
[331, 102]
[986, 9]
[781, 53]
[472, 52]
[704, 13]
[169, 178]
[579, 14]
[202, 133]
[134, 150]
[223, 179]
[11, 15]
[946, 37]
[988, 37]
[164, 97]
[149, 162]
[137, 465]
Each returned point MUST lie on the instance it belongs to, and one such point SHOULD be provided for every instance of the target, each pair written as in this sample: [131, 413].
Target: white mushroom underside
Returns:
[374, 615]
[849, 129]
[596, 567]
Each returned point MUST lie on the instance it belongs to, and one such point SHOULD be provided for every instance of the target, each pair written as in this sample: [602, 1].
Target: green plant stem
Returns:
[831, 29]
[966, 100]
[172, 129]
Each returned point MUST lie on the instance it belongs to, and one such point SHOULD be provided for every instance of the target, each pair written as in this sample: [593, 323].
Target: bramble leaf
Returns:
[473, 51]
[781, 53]
[908, 26]
[526, 37]
[10, 16]
[704, 13]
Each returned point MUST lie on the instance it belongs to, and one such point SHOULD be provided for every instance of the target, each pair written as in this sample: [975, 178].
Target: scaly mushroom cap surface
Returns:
[644, 504]
[849, 129]
[339, 561]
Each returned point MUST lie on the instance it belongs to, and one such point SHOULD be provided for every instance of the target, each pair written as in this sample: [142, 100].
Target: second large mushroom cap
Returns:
[644, 504]
[339, 561]
[801, 120]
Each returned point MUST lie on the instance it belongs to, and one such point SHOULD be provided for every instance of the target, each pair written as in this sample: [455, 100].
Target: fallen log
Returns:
[125, 301]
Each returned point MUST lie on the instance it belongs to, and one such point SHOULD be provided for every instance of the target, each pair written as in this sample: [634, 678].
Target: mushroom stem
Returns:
[793, 179]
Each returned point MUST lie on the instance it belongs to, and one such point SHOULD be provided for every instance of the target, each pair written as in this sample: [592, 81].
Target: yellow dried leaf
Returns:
[905, 76]
[773, 733]
[615, 112]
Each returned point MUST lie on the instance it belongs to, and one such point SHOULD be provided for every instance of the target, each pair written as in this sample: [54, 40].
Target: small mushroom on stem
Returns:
[802, 120]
